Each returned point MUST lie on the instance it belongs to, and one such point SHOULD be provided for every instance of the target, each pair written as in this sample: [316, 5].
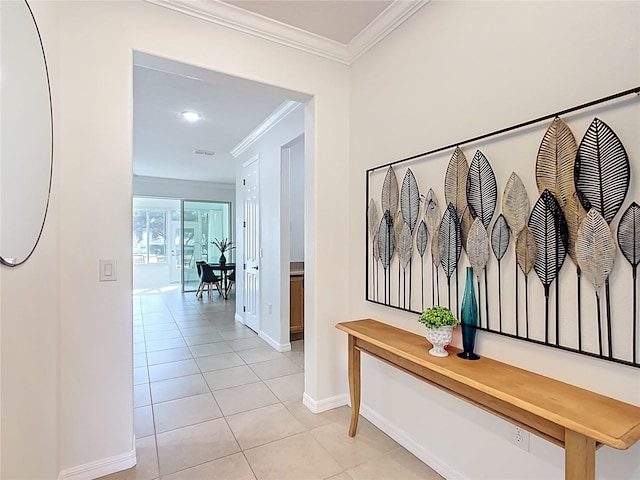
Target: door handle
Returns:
[255, 268]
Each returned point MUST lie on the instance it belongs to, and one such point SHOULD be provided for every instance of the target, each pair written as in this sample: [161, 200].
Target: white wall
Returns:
[275, 325]
[296, 200]
[183, 189]
[453, 71]
[95, 42]
[30, 328]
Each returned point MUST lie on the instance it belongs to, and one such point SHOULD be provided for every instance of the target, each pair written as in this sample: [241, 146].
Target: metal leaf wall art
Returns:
[574, 214]
[386, 247]
[466, 220]
[373, 223]
[526, 254]
[516, 208]
[422, 240]
[455, 181]
[405, 247]
[500, 235]
[629, 242]
[602, 170]
[549, 229]
[515, 204]
[482, 189]
[410, 200]
[390, 192]
[432, 217]
[555, 161]
[595, 252]
[478, 253]
[449, 243]
[398, 223]
[482, 196]
[573, 176]
[555, 168]
[410, 208]
[602, 175]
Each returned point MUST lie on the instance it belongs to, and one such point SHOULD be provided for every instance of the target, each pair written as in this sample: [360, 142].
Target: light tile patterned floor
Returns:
[214, 401]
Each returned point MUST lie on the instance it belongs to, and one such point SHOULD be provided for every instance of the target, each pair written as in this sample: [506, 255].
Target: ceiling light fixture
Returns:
[190, 116]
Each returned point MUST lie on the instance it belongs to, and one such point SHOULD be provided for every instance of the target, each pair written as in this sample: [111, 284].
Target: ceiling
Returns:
[336, 20]
[164, 144]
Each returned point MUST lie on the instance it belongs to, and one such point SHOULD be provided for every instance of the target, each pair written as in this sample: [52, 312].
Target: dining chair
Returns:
[231, 280]
[208, 278]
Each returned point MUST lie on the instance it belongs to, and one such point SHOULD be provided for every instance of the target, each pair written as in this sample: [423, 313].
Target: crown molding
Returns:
[271, 121]
[241, 20]
[389, 19]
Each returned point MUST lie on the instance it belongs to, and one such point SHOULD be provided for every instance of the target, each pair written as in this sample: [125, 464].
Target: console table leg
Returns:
[579, 456]
[354, 384]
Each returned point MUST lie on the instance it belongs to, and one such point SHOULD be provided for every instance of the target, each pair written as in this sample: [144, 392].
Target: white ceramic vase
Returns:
[439, 337]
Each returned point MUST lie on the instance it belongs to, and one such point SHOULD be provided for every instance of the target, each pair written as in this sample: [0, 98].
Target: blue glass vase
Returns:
[469, 318]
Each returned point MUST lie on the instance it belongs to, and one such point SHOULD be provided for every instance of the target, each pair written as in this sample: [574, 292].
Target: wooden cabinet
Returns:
[296, 307]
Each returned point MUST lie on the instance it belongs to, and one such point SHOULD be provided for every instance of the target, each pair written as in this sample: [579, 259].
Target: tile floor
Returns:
[214, 401]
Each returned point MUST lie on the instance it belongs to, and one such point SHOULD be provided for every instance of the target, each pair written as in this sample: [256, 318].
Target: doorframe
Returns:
[285, 233]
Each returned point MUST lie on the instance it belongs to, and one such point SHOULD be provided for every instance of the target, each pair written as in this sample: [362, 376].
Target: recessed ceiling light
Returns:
[190, 116]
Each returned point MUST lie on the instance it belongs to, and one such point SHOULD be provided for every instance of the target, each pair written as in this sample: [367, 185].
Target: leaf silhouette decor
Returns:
[629, 242]
[390, 192]
[515, 204]
[574, 214]
[526, 253]
[405, 247]
[555, 161]
[449, 243]
[478, 252]
[549, 229]
[386, 246]
[466, 220]
[602, 170]
[500, 235]
[432, 217]
[410, 208]
[482, 189]
[455, 181]
[595, 252]
[516, 207]
[373, 222]
[422, 240]
[482, 196]
[602, 174]
[398, 223]
[410, 200]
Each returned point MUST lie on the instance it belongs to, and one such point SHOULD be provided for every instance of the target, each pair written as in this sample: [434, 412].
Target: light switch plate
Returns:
[108, 271]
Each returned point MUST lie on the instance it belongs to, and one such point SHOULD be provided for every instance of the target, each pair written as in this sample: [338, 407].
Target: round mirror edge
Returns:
[6, 261]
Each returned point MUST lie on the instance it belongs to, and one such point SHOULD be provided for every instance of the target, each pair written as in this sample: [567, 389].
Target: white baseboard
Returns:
[100, 468]
[407, 442]
[281, 347]
[239, 318]
[319, 406]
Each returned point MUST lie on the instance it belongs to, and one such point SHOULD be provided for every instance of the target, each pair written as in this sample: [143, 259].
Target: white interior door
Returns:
[251, 225]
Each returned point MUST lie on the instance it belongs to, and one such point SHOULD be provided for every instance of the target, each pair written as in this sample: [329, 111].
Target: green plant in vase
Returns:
[440, 323]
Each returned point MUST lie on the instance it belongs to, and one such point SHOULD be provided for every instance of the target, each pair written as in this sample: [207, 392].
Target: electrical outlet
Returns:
[520, 437]
[270, 308]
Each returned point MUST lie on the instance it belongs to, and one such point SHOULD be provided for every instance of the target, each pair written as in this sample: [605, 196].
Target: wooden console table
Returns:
[578, 420]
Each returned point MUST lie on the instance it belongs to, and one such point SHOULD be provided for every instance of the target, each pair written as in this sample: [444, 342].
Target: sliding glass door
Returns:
[202, 223]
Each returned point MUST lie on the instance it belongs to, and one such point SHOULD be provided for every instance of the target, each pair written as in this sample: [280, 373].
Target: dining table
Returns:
[225, 270]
